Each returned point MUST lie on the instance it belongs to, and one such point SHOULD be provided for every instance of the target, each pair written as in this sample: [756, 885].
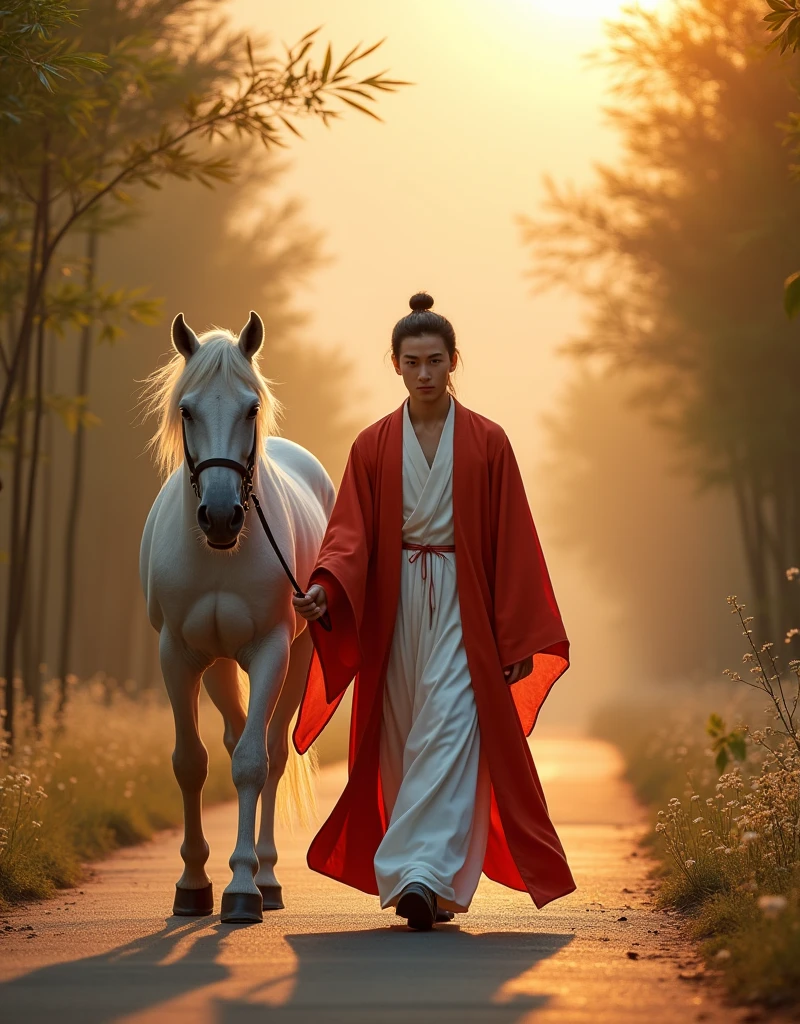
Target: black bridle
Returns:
[247, 493]
[245, 472]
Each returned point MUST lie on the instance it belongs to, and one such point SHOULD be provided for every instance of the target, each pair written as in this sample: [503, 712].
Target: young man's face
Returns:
[425, 366]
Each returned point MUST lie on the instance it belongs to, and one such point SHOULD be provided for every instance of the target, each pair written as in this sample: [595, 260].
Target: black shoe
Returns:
[444, 916]
[417, 903]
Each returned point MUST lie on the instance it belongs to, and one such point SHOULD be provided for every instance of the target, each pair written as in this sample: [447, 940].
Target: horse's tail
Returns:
[296, 798]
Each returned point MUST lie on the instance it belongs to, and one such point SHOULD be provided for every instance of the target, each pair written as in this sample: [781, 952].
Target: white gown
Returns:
[435, 782]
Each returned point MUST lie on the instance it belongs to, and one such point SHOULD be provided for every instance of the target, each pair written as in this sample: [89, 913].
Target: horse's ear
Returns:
[252, 336]
[183, 338]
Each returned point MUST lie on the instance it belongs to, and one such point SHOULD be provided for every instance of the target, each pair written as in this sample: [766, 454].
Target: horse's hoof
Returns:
[272, 896]
[242, 908]
[194, 902]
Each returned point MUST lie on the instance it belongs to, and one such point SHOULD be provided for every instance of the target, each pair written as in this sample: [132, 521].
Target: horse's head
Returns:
[216, 407]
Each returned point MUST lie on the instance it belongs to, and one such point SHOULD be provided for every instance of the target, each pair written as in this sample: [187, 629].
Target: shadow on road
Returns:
[137, 976]
[390, 975]
[380, 976]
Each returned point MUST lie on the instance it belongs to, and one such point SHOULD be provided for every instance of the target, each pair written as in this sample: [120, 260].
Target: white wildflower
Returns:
[772, 906]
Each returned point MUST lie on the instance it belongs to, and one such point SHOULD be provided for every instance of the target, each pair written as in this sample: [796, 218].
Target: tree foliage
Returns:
[175, 95]
[32, 52]
[784, 20]
[678, 248]
[94, 140]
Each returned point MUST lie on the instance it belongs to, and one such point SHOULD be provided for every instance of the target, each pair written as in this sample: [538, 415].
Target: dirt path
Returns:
[110, 952]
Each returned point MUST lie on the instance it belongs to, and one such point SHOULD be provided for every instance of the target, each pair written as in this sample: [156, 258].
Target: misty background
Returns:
[327, 241]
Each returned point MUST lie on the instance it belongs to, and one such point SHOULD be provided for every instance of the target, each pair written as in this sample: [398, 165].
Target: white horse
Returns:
[219, 598]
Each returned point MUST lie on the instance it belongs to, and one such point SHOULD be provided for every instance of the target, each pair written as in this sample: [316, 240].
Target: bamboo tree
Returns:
[25, 490]
[10, 650]
[76, 484]
[41, 610]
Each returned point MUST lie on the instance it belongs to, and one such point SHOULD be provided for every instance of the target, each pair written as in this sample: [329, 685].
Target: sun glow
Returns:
[591, 8]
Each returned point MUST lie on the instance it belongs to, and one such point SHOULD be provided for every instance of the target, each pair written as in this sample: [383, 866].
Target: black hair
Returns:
[422, 320]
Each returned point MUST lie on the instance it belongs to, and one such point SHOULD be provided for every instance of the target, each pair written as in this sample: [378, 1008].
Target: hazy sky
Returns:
[427, 200]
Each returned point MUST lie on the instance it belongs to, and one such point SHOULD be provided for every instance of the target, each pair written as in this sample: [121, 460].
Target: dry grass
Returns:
[102, 780]
[728, 843]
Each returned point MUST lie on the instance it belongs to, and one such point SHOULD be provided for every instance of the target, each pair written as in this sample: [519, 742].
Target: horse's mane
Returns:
[166, 386]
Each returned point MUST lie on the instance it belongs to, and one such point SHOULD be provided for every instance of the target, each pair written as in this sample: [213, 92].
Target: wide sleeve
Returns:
[526, 616]
[341, 569]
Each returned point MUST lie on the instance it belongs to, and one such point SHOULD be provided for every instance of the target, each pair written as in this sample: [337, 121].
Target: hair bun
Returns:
[420, 302]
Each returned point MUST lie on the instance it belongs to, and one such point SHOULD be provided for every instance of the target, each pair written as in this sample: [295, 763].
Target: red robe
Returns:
[508, 613]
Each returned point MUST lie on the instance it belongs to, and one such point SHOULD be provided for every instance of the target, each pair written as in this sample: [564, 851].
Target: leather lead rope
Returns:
[324, 620]
[246, 473]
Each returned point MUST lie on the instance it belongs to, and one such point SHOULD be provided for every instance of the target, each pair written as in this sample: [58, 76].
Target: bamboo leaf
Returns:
[372, 49]
[358, 92]
[358, 106]
[327, 64]
[290, 126]
[311, 34]
[348, 60]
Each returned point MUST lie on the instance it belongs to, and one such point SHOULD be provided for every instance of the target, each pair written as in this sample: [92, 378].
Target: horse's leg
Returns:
[278, 741]
[242, 900]
[221, 681]
[193, 893]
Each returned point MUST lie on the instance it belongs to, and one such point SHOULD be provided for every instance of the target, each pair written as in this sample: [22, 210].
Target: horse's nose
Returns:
[221, 527]
[237, 519]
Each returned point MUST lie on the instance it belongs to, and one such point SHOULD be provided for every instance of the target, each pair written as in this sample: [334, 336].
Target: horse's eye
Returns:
[253, 412]
[185, 413]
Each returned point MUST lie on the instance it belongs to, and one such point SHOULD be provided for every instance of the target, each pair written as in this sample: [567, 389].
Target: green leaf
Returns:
[791, 295]
[737, 744]
[715, 727]
[722, 760]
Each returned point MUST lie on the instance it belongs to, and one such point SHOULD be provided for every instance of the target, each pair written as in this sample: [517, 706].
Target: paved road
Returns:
[110, 952]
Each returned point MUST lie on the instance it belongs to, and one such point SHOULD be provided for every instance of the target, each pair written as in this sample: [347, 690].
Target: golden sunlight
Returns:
[590, 8]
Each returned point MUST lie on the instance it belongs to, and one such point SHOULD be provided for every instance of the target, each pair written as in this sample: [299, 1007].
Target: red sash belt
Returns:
[422, 553]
